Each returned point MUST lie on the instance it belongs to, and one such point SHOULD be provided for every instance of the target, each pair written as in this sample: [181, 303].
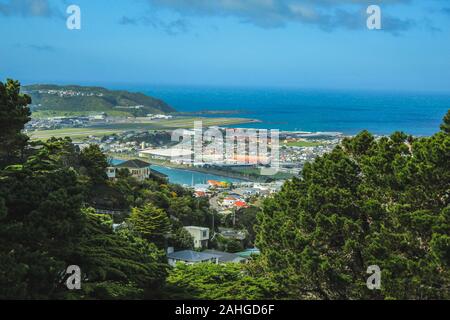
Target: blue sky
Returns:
[294, 43]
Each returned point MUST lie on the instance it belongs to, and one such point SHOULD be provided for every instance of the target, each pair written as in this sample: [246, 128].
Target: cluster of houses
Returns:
[201, 237]
[70, 93]
[114, 145]
[208, 256]
[229, 198]
[53, 123]
[234, 202]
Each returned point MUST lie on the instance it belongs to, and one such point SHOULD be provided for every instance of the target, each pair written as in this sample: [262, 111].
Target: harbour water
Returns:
[184, 177]
[188, 177]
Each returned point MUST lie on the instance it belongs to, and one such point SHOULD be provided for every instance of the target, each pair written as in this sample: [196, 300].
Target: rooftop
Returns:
[240, 204]
[158, 174]
[134, 164]
[196, 228]
[172, 152]
[226, 256]
[192, 256]
[248, 253]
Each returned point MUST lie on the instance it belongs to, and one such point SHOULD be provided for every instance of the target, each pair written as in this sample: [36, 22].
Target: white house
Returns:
[138, 169]
[200, 236]
[229, 201]
[111, 172]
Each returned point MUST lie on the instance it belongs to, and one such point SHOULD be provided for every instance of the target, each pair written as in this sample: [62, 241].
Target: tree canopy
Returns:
[218, 281]
[14, 114]
[46, 224]
[369, 202]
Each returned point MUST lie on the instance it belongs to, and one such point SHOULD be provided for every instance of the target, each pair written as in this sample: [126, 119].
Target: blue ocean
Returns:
[348, 112]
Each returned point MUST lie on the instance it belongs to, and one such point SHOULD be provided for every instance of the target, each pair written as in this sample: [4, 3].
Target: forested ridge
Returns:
[369, 202]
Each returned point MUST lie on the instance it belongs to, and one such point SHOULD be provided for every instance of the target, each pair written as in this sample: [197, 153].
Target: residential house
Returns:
[229, 201]
[230, 233]
[191, 257]
[138, 169]
[226, 257]
[111, 172]
[250, 192]
[218, 184]
[200, 194]
[240, 204]
[202, 187]
[200, 236]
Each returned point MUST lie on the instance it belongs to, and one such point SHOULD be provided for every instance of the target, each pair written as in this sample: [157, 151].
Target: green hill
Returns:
[74, 98]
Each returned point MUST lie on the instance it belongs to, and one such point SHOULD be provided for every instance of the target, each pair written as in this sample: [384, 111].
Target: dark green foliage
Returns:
[218, 282]
[3, 209]
[359, 145]
[54, 153]
[382, 202]
[14, 114]
[118, 265]
[181, 240]
[445, 127]
[234, 246]
[95, 163]
[44, 228]
[245, 219]
[41, 227]
[230, 245]
[151, 223]
[179, 204]
[369, 202]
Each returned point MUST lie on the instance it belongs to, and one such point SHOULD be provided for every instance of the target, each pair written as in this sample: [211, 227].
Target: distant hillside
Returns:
[79, 99]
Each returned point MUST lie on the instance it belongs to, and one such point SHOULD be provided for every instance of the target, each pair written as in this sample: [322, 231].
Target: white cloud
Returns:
[27, 8]
[326, 14]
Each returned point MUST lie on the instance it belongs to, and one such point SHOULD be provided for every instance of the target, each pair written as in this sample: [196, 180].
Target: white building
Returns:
[181, 156]
[200, 236]
[229, 201]
[138, 169]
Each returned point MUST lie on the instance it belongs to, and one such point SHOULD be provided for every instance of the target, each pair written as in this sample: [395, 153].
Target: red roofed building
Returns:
[240, 204]
[218, 184]
[229, 201]
[200, 194]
